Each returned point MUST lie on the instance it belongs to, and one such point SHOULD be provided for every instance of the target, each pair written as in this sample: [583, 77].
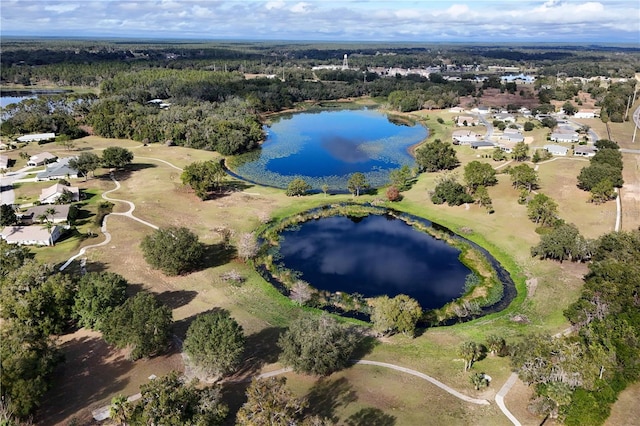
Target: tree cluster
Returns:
[603, 173]
[173, 250]
[399, 314]
[204, 177]
[435, 156]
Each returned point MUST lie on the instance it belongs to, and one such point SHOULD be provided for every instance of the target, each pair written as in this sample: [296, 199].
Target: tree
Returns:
[98, 294]
[36, 296]
[248, 246]
[84, 163]
[269, 402]
[602, 192]
[529, 126]
[173, 250]
[7, 215]
[203, 177]
[495, 343]
[569, 108]
[393, 194]
[297, 188]
[470, 352]
[27, 361]
[479, 174]
[524, 177]
[401, 178]
[301, 292]
[116, 157]
[483, 198]
[450, 191]
[562, 243]
[395, 315]
[121, 410]
[168, 401]
[498, 154]
[12, 257]
[215, 343]
[325, 189]
[520, 151]
[141, 324]
[317, 345]
[542, 210]
[595, 173]
[606, 144]
[479, 380]
[436, 156]
[357, 182]
[549, 122]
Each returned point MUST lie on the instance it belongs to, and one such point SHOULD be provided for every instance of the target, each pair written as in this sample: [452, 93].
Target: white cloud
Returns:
[275, 5]
[302, 7]
[61, 8]
[458, 10]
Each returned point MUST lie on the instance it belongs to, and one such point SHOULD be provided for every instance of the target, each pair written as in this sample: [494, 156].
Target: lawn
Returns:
[160, 198]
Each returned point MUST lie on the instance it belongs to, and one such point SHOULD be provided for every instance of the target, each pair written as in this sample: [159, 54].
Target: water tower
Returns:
[345, 63]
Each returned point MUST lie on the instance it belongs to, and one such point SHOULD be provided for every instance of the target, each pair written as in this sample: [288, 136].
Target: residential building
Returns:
[4, 162]
[466, 120]
[556, 149]
[31, 235]
[482, 145]
[464, 137]
[504, 116]
[37, 137]
[58, 170]
[31, 215]
[514, 137]
[584, 151]
[40, 159]
[51, 194]
[565, 137]
[587, 113]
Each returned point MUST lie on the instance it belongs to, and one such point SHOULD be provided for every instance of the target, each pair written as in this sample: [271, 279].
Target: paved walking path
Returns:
[500, 398]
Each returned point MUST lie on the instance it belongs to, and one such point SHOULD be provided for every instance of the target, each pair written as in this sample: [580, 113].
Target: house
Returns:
[456, 110]
[464, 137]
[482, 145]
[587, 113]
[584, 151]
[51, 194]
[466, 120]
[58, 170]
[481, 110]
[556, 149]
[514, 137]
[37, 137]
[4, 162]
[31, 235]
[505, 116]
[565, 137]
[32, 214]
[40, 159]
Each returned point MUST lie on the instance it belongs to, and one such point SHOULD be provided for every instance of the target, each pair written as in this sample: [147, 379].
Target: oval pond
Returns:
[326, 147]
[374, 255]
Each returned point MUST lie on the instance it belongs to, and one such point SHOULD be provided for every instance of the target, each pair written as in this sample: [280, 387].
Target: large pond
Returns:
[374, 255]
[326, 147]
[8, 97]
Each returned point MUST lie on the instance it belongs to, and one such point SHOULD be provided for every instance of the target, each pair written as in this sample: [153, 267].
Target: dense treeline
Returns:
[578, 377]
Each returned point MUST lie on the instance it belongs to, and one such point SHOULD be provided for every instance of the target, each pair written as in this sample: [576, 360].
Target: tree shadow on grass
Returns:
[177, 298]
[326, 396]
[217, 255]
[261, 348]
[228, 188]
[125, 173]
[92, 372]
[365, 347]
[371, 416]
[234, 395]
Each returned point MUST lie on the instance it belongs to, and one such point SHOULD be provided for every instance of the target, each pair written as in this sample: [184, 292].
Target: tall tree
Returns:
[7, 215]
[520, 151]
[542, 210]
[470, 352]
[479, 174]
[401, 178]
[116, 157]
[435, 156]
[298, 187]
[215, 343]
[98, 294]
[317, 345]
[357, 182]
[173, 250]
[269, 402]
[85, 163]
[203, 177]
[399, 314]
[524, 176]
[141, 324]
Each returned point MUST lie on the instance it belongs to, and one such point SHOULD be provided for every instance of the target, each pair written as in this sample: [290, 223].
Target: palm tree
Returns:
[120, 409]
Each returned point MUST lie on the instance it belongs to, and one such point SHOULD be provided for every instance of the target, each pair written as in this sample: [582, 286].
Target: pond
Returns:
[326, 147]
[8, 97]
[374, 255]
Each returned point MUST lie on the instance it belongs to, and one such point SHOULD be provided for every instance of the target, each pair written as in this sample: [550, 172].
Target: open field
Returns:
[160, 198]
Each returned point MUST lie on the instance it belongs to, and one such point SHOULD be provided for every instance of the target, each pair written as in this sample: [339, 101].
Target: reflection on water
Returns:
[373, 257]
[327, 147]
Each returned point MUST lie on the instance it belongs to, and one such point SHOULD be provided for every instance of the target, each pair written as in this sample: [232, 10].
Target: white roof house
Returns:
[584, 151]
[40, 159]
[31, 235]
[482, 145]
[466, 120]
[37, 137]
[30, 216]
[464, 137]
[51, 194]
[4, 161]
[505, 116]
[565, 137]
[587, 113]
[58, 170]
[512, 137]
[556, 149]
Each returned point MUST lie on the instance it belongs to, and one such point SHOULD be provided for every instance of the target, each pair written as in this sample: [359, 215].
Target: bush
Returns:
[393, 194]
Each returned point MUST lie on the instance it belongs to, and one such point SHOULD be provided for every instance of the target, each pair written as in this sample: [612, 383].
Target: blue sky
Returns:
[568, 21]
